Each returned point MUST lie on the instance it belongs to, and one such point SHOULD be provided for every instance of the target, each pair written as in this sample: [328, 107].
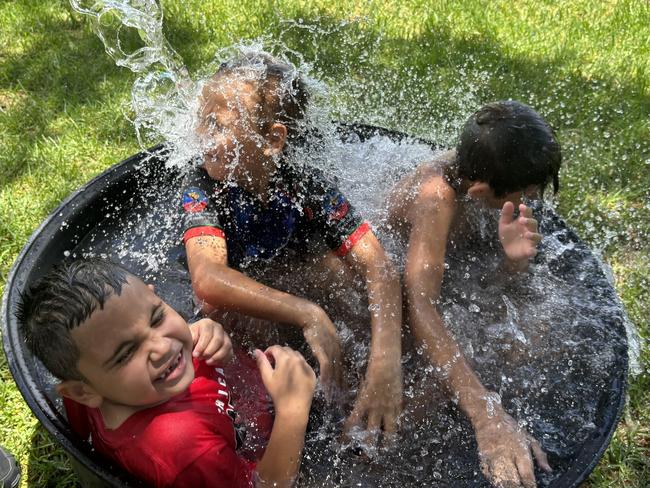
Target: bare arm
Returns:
[431, 219]
[290, 382]
[228, 289]
[380, 397]
[504, 448]
[281, 461]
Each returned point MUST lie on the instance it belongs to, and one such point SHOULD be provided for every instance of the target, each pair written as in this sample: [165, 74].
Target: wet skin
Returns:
[136, 352]
[241, 150]
[423, 208]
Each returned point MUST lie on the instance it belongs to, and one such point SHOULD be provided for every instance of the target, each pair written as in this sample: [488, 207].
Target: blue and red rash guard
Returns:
[193, 439]
[301, 208]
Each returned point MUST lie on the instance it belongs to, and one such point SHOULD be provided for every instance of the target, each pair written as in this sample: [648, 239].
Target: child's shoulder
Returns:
[435, 186]
[431, 172]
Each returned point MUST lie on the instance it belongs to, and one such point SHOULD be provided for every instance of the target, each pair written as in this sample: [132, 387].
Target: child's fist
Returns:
[211, 343]
[290, 380]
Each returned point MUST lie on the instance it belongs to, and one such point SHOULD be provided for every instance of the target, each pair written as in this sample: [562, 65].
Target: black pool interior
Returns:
[559, 362]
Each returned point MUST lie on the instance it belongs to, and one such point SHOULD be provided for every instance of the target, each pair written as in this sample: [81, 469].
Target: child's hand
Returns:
[519, 236]
[290, 381]
[325, 344]
[505, 451]
[211, 342]
[380, 402]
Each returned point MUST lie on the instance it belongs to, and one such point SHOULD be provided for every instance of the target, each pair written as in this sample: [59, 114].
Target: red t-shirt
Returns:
[188, 441]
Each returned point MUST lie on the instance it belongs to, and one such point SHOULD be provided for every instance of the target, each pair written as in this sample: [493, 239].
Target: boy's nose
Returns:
[160, 349]
[215, 147]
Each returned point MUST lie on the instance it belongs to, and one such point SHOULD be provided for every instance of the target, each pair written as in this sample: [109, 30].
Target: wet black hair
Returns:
[282, 92]
[63, 299]
[510, 146]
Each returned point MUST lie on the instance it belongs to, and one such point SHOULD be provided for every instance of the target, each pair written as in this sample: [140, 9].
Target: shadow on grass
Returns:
[62, 72]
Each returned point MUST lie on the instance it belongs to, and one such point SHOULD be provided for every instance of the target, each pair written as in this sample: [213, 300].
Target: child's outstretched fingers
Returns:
[290, 382]
[390, 430]
[354, 430]
[326, 348]
[540, 455]
[507, 213]
[524, 464]
[264, 365]
[519, 237]
[526, 218]
[219, 351]
[201, 336]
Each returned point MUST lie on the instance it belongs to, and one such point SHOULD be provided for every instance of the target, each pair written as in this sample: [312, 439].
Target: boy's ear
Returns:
[80, 392]
[276, 138]
[479, 190]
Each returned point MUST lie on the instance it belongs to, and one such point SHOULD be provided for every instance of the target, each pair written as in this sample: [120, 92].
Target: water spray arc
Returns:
[163, 91]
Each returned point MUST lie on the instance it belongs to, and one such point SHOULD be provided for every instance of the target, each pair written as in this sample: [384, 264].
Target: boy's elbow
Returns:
[200, 286]
[207, 286]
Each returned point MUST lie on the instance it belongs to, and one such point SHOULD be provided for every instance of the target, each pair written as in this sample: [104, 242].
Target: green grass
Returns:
[419, 66]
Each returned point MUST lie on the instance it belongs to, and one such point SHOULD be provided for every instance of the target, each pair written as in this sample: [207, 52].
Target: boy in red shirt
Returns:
[152, 393]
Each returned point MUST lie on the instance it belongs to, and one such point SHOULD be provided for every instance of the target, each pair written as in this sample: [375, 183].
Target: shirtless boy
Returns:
[506, 151]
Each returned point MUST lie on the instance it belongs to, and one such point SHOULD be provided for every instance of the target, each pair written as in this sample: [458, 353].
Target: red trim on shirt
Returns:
[351, 241]
[204, 230]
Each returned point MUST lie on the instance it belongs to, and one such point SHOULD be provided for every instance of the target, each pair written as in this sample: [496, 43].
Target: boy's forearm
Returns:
[230, 290]
[281, 461]
[445, 355]
[384, 298]
[385, 301]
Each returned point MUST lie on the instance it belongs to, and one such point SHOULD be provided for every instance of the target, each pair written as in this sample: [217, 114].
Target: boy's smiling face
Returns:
[136, 352]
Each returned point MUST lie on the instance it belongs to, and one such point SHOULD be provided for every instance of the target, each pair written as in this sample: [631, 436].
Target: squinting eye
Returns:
[126, 356]
[158, 319]
[211, 121]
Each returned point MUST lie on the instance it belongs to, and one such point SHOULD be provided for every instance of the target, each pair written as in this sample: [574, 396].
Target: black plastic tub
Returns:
[143, 187]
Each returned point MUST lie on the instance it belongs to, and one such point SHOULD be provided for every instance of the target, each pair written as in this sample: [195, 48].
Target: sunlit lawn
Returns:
[418, 66]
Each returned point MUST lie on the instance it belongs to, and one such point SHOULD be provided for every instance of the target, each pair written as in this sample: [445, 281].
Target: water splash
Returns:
[163, 95]
[111, 20]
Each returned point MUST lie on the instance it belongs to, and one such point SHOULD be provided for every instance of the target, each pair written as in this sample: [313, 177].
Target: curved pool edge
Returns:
[36, 400]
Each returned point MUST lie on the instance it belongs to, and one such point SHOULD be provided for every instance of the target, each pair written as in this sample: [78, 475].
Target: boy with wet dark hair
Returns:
[506, 151]
[282, 91]
[249, 201]
[153, 394]
[510, 147]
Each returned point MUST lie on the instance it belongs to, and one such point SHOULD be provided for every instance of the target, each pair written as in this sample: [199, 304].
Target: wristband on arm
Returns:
[352, 239]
